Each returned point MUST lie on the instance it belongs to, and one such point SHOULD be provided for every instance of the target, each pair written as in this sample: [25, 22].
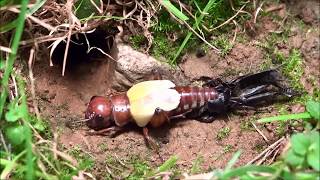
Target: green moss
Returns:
[196, 165]
[246, 126]
[218, 12]
[223, 133]
[103, 147]
[162, 47]
[316, 94]
[166, 24]
[292, 68]
[84, 159]
[137, 41]
[224, 44]
[140, 168]
[228, 148]
[130, 168]
[281, 128]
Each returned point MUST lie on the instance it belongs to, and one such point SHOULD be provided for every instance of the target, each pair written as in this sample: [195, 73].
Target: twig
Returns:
[86, 142]
[266, 150]
[274, 156]
[42, 167]
[164, 175]
[63, 155]
[3, 142]
[33, 93]
[268, 154]
[110, 172]
[257, 12]
[260, 132]
[235, 32]
[72, 20]
[99, 49]
[118, 159]
[57, 36]
[275, 8]
[54, 144]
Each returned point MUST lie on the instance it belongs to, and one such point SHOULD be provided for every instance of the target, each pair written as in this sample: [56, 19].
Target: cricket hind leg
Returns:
[249, 91]
[259, 89]
[202, 114]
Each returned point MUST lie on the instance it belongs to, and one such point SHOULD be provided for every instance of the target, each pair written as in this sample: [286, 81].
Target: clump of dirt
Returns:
[63, 99]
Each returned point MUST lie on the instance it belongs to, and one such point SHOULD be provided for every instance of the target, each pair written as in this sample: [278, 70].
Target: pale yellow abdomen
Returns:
[146, 96]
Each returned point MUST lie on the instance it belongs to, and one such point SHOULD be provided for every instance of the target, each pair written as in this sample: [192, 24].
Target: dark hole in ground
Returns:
[84, 48]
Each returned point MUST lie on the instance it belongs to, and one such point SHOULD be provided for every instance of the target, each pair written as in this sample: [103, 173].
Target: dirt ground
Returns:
[63, 100]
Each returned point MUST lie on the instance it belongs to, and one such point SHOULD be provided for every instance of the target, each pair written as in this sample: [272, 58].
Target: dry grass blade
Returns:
[99, 9]
[5, 49]
[99, 49]
[34, 19]
[73, 21]
[202, 38]
[205, 176]
[66, 157]
[272, 146]
[230, 19]
[275, 8]
[15, 92]
[260, 132]
[3, 142]
[269, 153]
[257, 12]
[66, 52]
[81, 176]
[54, 46]
[32, 85]
[162, 175]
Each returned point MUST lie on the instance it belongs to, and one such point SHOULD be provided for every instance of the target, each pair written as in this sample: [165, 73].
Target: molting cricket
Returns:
[155, 102]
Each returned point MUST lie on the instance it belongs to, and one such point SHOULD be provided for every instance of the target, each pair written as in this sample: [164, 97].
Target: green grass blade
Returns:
[12, 56]
[175, 11]
[245, 169]
[304, 115]
[4, 2]
[11, 25]
[195, 25]
[168, 164]
[36, 6]
[233, 160]
[7, 27]
[28, 134]
[9, 165]
[184, 43]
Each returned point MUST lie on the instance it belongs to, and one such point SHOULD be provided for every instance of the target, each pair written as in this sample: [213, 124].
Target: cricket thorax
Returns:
[121, 109]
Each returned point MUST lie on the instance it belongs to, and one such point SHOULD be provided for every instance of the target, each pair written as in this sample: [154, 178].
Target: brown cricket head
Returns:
[99, 113]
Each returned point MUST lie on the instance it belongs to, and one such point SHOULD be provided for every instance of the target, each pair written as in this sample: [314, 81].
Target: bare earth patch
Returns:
[63, 99]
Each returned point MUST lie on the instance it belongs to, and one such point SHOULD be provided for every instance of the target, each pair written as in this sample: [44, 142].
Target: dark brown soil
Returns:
[63, 100]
